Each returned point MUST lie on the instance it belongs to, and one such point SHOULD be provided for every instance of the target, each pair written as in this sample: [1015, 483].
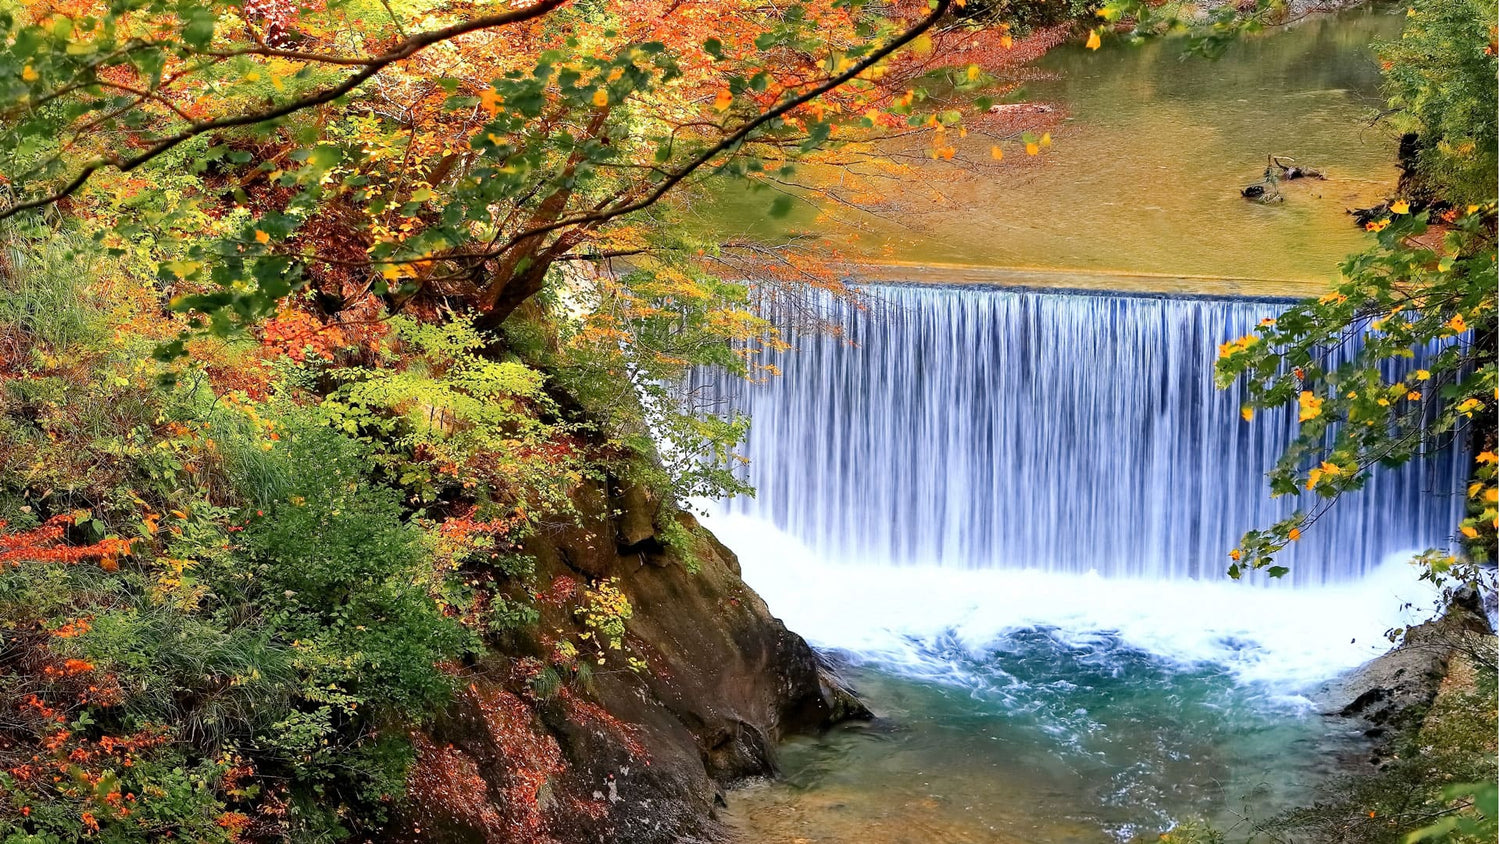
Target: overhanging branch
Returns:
[369, 67]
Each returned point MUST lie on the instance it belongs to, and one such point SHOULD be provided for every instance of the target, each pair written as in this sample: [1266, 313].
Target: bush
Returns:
[1440, 78]
[211, 618]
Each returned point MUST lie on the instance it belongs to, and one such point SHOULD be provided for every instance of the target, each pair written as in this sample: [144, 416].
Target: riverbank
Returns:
[1429, 709]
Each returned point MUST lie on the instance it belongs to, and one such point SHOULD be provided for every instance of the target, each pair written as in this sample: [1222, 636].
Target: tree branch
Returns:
[369, 67]
[729, 141]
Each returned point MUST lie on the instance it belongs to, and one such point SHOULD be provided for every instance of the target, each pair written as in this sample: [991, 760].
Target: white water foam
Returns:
[1289, 639]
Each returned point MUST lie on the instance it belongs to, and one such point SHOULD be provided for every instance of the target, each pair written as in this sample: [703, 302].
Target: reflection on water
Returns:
[1144, 175]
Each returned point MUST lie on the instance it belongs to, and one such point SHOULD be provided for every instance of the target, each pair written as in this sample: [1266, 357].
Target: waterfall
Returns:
[983, 428]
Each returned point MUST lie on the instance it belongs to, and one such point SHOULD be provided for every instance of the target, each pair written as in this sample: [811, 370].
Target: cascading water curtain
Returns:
[986, 428]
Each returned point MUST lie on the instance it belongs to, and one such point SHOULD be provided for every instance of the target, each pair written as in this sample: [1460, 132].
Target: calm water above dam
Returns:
[1144, 172]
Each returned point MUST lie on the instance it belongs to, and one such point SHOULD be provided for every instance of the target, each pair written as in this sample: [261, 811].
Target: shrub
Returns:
[1440, 79]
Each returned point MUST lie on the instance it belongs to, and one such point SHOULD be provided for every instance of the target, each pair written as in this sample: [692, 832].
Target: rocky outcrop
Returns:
[615, 753]
[1386, 692]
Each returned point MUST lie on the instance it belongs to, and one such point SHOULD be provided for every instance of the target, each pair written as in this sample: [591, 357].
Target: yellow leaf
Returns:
[1474, 489]
[972, 72]
[1006, 41]
[997, 153]
[923, 45]
[1046, 139]
[1247, 413]
[1311, 406]
[601, 98]
[29, 73]
[1421, 375]
[1093, 42]
[723, 101]
[1469, 532]
[1400, 206]
[1294, 534]
[183, 269]
[262, 237]
[1032, 149]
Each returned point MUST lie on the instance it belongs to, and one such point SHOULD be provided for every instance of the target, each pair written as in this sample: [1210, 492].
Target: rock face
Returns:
[623, 755]
[1383, 691]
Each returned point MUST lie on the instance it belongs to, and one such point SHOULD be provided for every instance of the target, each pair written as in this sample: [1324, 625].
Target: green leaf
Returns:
[198, 28]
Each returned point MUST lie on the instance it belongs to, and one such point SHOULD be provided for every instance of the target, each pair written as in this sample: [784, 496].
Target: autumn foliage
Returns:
[315, 312]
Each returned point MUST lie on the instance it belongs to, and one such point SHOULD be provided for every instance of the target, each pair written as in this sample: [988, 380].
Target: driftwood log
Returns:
[1279, 168]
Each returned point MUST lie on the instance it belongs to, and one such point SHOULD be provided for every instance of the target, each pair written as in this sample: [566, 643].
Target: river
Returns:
[1007, 512]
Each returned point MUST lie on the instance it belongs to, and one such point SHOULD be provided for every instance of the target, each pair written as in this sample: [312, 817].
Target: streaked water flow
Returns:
[1011, 510]
[1004, 429]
